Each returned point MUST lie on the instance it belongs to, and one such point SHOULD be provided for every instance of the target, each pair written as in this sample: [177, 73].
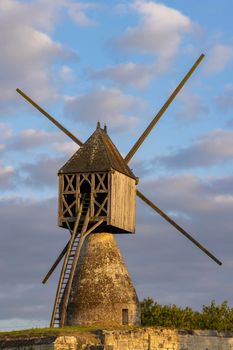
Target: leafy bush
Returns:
[218, 317]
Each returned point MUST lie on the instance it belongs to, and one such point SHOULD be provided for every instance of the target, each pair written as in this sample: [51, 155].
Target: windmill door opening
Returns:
[125, 316]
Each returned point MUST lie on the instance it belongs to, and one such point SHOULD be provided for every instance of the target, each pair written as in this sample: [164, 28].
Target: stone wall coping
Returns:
[198, 332]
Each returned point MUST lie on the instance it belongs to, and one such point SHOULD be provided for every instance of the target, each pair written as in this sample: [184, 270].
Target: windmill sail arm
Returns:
[47, 115]
[178, 227]
[162, 110]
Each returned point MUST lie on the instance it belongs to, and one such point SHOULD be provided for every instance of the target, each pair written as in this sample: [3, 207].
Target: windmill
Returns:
[97, 198]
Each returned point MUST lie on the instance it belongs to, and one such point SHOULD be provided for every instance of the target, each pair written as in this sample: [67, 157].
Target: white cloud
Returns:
[190, 195]
[42, 173]
[66, 73]
[67, 148]
[108, 105]
[77, 10]
[159, 31]
[28, 50]
[6, 170]
[6, 176]
[219, 57]
[210, 149]
[32, 138]
[127, 74]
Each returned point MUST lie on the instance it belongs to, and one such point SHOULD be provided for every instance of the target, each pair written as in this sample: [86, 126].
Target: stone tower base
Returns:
[102, 292]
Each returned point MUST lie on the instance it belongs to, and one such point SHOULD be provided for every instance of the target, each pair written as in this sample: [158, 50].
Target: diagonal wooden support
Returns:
[162, 110]
[59, 258]
[101, 206]
[63, 252]
[69, 187]
[47, 115]
[178, 227]
[101, 179]
[68, 207]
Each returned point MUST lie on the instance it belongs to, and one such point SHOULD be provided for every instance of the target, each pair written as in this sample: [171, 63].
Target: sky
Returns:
[117, 63]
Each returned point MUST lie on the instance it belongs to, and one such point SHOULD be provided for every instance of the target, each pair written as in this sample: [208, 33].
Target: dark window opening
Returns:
[125, 316]
[85, 186]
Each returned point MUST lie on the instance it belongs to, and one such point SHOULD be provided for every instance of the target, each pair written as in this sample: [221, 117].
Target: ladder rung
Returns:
[70, 261]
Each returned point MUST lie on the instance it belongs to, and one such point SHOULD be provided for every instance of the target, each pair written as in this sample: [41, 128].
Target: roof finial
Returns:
[98, 125]
[105, 128]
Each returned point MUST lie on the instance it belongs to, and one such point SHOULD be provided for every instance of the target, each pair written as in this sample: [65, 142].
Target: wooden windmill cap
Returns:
[98, 154]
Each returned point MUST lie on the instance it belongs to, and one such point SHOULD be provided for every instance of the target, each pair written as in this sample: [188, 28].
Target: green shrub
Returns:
[218, 317]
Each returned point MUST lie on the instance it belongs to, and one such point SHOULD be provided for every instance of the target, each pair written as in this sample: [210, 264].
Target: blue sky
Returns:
[117, 62]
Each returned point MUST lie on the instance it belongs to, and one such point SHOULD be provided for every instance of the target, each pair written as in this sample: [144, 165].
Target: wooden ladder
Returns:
[79, 228]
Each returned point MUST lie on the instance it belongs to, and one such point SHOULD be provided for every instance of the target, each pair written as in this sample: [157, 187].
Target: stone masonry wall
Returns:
[167, 339]
[136, 339]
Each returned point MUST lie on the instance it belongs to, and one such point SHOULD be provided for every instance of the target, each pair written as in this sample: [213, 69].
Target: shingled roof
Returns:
[97, 154]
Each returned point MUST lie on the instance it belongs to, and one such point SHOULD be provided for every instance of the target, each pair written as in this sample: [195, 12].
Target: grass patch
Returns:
[50, 332]
[43, 332]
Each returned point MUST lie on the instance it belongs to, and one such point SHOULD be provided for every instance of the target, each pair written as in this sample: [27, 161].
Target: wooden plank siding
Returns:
[122, 201]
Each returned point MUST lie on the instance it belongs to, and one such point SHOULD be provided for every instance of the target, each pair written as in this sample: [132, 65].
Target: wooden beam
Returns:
[101, 206]
[162, 110]
[47, 115]
[178, 227]
[59, 258]
[63, 252]
[93, 227]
